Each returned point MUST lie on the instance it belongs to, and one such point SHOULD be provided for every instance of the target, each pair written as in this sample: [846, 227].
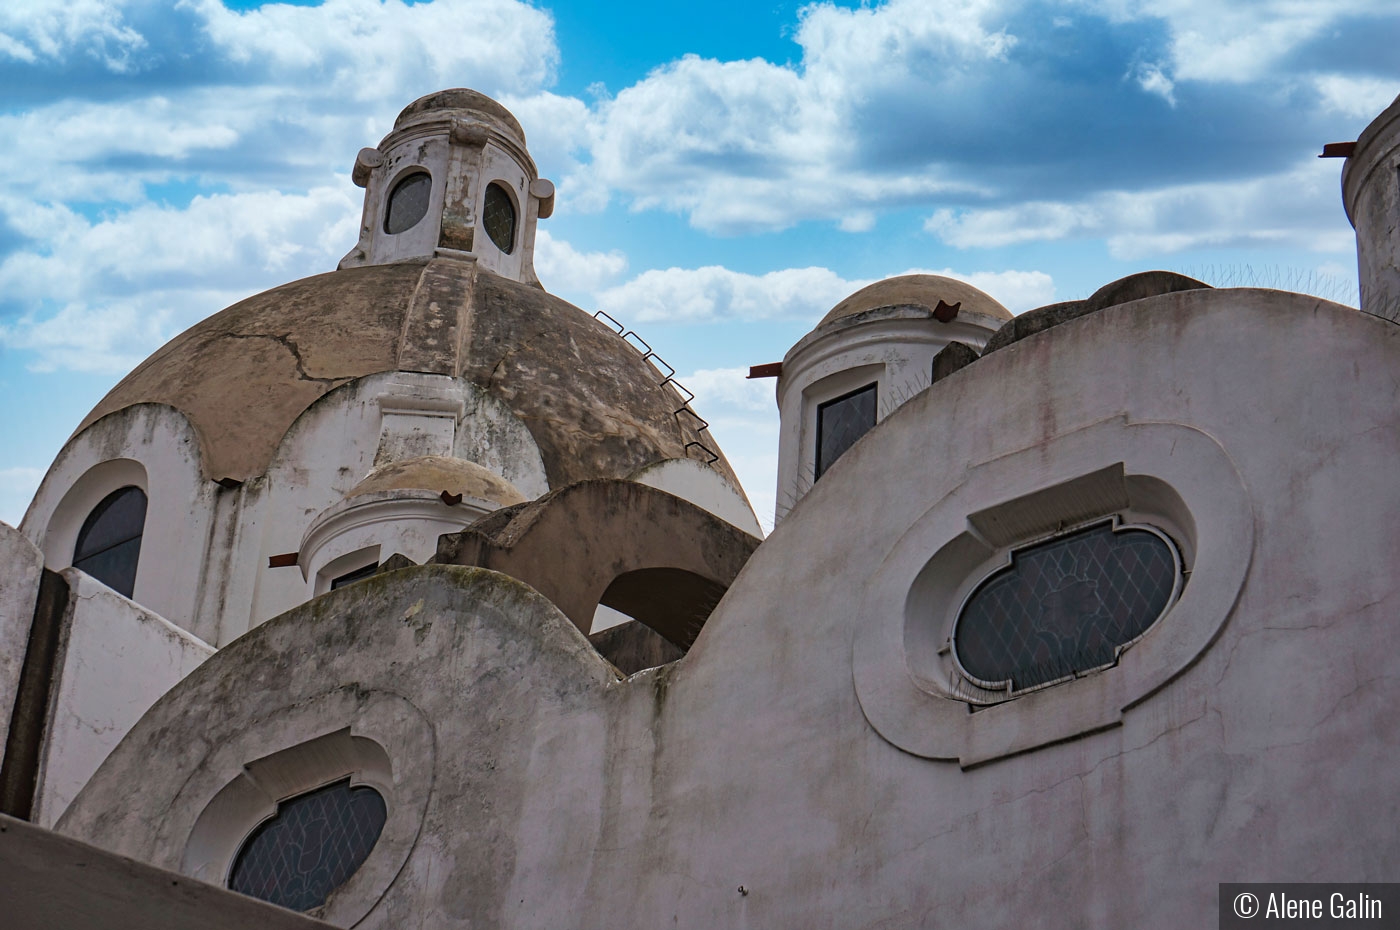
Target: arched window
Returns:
[498, 215]
[310, 847]
[408, 202]
[109, 543]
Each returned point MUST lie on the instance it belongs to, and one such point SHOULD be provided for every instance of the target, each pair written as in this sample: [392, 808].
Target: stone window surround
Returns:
[382, 741]
[1168, 475]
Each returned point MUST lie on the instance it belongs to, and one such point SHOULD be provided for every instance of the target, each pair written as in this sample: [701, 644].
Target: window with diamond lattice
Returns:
[1065, 606]
[311, 847]
[498, 215]
[841, 422]
[408, 203]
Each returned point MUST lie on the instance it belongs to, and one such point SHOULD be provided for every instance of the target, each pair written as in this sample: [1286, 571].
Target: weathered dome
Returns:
[919, 290]
[594, 407]
[470, 103]
[440, 473]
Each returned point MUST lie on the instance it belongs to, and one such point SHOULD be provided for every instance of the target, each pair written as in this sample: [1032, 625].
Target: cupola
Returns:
[872, 352]
[453, 178]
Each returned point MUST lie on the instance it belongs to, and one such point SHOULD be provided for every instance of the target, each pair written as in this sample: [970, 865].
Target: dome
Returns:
[468, 102]
[241, 377]
[438, 473]
[919, 290]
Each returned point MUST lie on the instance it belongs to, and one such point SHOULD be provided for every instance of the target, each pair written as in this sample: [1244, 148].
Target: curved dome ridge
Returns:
[919, 290]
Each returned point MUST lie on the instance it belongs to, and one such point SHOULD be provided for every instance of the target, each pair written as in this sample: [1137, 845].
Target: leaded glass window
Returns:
[841, 422]
[1066, 606]
[109, 542]
[498, 215]
[408, 202]
[310, 847]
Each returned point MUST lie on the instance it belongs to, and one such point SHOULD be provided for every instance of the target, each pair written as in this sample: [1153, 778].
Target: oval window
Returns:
[1065, 606]
[408, 202]
[310, 847]
[498, 215]
[109, 543]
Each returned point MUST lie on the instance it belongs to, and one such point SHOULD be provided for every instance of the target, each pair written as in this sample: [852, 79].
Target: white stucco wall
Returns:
[19, 589]
[563, 796]
[115, 660]
[152, 447]
[703, 487]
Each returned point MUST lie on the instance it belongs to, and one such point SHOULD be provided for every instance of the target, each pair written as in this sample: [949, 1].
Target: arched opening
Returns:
[498, 216]
[109, 542]
[408, 202]
[668, 607]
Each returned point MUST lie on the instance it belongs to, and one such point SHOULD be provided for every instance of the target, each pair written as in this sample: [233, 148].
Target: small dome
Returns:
[919, 290]
[439, 473]
[476, 105]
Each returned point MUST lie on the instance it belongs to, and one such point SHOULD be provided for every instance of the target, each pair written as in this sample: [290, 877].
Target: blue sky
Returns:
[726, 172]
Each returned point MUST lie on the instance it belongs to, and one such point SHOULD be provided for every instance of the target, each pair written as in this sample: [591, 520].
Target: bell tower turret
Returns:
[452, 178]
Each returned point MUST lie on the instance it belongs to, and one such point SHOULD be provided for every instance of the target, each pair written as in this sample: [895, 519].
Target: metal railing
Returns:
[668, 376]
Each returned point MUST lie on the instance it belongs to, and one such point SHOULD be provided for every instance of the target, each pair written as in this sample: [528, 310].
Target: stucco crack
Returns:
[285, 341]
[521, 347]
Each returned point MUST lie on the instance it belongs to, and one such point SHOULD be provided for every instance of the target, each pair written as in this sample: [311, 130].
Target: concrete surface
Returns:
[743, 785]
[19, 589]
[52, 882]
[115, 659]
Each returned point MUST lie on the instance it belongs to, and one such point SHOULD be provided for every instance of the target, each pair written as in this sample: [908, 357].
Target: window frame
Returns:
[402, 178]
[1005, 559]
[516, 219]
[873, 387]
[89, 524]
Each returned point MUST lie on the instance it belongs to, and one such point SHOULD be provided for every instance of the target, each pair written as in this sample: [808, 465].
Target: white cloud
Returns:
[711, 293]
[1358, 98]
[158, 269]
[1151, 79]
[1017, 291]
[1236, 42]
[1294, 209]
[566, 271]
[731, 388]
[50, 29]
[714, 293]
[750, 145]
[367, 48]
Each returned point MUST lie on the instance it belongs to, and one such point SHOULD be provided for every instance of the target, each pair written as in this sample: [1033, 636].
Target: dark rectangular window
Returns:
[841, 422]
[356, 575]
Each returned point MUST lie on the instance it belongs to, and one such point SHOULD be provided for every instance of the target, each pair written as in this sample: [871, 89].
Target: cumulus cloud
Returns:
[1233, 42]
[714, 293]
[748, 145]
[31, 30]
[1360, 98]
[1294, 209]
[566, 271]
[100, 296]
